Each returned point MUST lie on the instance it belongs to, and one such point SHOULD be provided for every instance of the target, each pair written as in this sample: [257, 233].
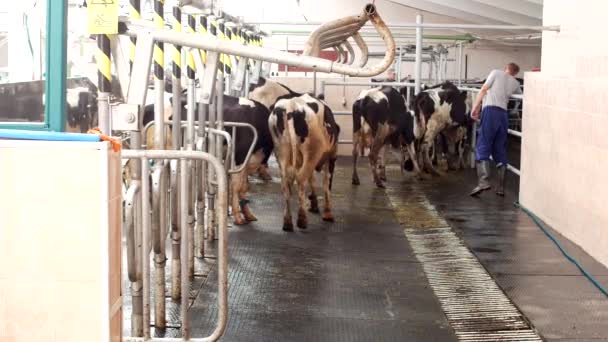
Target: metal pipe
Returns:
[515, 133]
[145, 250]
[136, 287]
[222, 237]
[460, 64]
[286, 50]
[351, 52]
[259, 53]
[402, 84]
[175, 232]
[103, 105]
[418, 65]
[426, 26]
[130, 199]
[185, 280]
[364, 50]
[158, 220]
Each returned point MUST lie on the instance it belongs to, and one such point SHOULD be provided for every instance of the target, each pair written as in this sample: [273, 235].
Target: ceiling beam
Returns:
[538, 2]
[447, 11]
[522, 7]
[487, 11]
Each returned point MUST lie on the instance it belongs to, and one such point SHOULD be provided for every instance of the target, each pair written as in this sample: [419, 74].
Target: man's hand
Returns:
[475, 112]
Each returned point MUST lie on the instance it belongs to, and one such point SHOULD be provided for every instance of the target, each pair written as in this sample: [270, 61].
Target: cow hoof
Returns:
[383, 178]
[314, 209]
[239, 221]
[250, 217]
[356, 181]
[380, 185]
[301, 222]
[288, 226]
[328, 217]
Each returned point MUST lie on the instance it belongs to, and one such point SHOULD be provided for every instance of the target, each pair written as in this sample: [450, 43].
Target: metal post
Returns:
[159, 79]
[399, 64]
[286, 50]
[177, 80]
[188, 205]
[158, 221]
[185, 283]
[418, 65]
[145, 250]
[210, 214]
[459, 64]
[314, 83]
[104, 80]
[56, 54]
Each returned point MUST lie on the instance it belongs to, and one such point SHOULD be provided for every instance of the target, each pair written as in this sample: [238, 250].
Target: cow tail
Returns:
[293, 140]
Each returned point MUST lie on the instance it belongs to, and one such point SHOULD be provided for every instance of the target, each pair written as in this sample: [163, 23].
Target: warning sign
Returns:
[103, 16]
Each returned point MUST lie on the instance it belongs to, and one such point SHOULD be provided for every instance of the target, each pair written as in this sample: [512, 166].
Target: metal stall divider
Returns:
[201, 145]
[176, 167]
[183, 156]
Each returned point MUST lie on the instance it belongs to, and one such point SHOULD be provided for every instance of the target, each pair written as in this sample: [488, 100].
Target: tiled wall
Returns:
[60, 209]
[565, 126]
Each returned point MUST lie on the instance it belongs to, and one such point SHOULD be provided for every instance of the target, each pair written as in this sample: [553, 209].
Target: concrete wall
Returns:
[565, 146]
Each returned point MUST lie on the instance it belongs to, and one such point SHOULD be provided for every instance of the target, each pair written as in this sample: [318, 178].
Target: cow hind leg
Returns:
[382, 163]
[411, 149]
[301, 184]
[235, 185]
[356, 143]
[327, 180]
[373, 161]
[433, 128]
[286, 187]
[245, 202]
[314, 203]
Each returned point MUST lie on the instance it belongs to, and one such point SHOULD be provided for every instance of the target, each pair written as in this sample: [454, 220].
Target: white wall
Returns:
[565, 146]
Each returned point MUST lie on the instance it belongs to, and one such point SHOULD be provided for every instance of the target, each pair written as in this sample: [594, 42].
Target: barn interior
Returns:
[319, 186]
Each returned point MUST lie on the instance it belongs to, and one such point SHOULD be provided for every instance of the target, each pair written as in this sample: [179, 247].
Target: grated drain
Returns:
[474, 305]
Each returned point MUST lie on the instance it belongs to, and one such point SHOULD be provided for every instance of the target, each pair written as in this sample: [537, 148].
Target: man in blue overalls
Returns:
[493, 130]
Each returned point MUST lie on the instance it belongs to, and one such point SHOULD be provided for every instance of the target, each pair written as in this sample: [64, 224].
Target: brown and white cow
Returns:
[381, 120]
[305, 135]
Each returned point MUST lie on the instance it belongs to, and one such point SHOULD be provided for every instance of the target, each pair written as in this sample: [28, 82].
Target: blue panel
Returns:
[53, 136]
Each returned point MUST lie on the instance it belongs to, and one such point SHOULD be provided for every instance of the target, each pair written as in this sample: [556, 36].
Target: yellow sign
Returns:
[103, 16]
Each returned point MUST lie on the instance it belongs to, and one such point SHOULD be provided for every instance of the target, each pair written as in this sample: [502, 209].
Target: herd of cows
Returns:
[301, 131]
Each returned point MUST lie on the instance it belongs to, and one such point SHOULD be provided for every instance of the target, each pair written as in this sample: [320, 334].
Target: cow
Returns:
[305, 135]
[380, 118]
[435, 109]
[240, 110]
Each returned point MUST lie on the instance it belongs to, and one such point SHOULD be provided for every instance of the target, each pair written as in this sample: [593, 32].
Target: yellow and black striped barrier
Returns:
[191, 68]
[177, 50]
[135, 14]
[104, 66]
[159, 53]
[203, 31]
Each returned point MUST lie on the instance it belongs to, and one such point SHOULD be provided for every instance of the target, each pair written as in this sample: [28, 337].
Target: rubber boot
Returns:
[502, 171]
[483, 173]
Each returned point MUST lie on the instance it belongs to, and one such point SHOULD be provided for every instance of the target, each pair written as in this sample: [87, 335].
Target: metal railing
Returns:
[222, 206]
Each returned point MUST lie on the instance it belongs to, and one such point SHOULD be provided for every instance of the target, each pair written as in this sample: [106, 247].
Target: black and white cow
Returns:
[380, 118]
[435, 109]
[305, 134]
[271, 94]
[81, 109]
[240, 110]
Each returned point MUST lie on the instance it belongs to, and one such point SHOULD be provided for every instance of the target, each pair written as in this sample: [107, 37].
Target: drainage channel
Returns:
[474, 305]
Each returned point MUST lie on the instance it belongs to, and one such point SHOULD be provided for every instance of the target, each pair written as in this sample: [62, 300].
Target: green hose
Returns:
[544, 229]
